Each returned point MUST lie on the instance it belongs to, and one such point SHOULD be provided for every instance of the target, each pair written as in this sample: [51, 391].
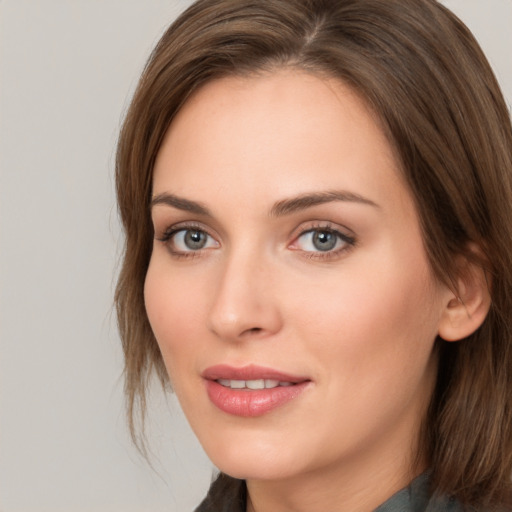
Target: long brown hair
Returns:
[425, 77]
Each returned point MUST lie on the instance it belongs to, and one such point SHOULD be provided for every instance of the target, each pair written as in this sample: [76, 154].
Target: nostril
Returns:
[254, 330]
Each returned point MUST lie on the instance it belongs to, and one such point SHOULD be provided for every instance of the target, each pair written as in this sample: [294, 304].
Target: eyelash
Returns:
[348, 241]
[167, 236]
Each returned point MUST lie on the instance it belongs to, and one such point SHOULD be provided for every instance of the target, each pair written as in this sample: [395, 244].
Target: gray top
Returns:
[416, 498]
[227, 494]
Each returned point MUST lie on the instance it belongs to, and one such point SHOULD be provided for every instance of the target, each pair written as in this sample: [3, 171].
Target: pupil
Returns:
[324, 240]
[195, 239]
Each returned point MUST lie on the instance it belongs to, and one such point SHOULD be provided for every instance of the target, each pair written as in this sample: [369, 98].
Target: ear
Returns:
[468, 305]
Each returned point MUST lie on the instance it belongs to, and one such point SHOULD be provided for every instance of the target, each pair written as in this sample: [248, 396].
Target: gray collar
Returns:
[416, 498]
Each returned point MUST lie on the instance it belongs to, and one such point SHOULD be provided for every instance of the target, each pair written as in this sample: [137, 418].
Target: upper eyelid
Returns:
[341, 232]
[185, 225]
[322, 225]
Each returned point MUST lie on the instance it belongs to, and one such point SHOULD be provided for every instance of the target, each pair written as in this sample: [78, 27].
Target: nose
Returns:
[245, 304]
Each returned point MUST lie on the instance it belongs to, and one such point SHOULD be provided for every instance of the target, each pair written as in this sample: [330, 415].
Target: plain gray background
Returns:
[67, 70]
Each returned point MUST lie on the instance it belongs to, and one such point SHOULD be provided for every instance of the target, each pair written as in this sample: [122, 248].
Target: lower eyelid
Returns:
[328, 255]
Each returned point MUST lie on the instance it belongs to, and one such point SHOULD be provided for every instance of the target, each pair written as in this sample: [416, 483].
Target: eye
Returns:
[185, 240]
[323, 240]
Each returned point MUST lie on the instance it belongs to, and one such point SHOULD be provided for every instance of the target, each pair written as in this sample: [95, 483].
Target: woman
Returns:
[316, 197]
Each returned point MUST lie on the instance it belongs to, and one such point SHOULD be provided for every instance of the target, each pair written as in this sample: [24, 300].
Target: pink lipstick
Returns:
[251, 390]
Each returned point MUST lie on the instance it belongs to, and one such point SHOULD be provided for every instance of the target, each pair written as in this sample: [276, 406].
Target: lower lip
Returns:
[250, 403]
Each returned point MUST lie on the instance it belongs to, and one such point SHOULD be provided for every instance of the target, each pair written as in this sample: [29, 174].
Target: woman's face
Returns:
[288, 256]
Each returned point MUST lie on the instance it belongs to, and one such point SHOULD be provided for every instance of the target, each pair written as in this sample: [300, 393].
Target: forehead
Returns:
[277, 134]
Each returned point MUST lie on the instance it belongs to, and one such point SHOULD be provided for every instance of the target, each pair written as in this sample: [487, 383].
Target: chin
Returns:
[255, 460]
[254, 470]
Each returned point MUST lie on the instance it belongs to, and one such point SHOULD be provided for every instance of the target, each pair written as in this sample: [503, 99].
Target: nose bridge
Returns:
[244, 303]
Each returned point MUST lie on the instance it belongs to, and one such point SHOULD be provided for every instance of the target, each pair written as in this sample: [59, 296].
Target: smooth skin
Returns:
[337, 288]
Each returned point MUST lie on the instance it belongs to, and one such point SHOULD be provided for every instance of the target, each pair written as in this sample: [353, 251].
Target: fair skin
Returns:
[337, 290]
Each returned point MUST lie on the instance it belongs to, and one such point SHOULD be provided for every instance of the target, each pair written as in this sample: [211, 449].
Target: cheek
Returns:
[172, 313]
[374, 319]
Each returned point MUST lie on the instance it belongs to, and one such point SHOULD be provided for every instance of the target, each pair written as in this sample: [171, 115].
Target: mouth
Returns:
[251, 391]
[253, 384]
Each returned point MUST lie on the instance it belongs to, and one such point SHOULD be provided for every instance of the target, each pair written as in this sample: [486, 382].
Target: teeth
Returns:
[255, 384]
[252, 384]
[237, 384]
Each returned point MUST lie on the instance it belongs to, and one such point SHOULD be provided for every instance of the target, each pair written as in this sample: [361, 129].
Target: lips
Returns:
[251, 390]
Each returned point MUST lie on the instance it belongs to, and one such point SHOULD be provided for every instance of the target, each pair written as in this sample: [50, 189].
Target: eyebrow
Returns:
[280, 208]
[304, 201]
[181, 204]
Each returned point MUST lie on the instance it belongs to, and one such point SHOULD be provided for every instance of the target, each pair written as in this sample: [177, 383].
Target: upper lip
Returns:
[249, 372]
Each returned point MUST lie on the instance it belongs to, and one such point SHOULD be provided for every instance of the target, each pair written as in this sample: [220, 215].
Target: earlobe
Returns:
[466, 307]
